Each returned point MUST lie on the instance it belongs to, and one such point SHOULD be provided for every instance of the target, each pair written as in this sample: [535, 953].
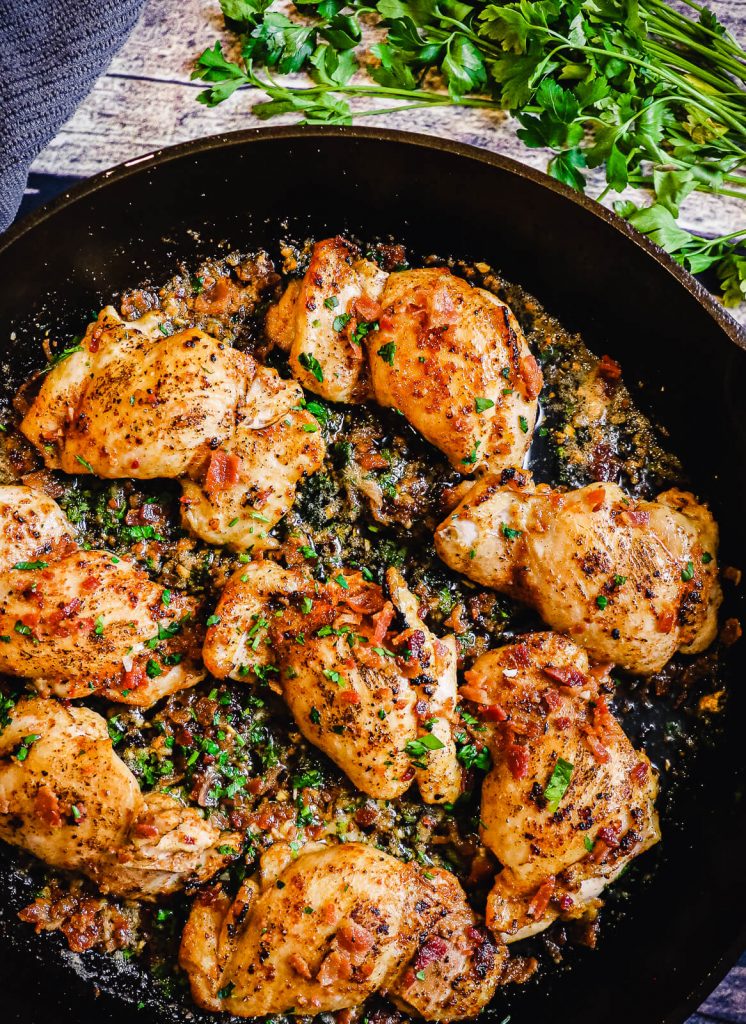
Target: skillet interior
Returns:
[683, 928]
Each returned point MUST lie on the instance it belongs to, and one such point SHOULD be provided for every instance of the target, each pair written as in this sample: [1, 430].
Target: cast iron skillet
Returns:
[687, 925]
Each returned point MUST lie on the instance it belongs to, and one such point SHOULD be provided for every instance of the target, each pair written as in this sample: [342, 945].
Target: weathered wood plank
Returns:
[147, 101]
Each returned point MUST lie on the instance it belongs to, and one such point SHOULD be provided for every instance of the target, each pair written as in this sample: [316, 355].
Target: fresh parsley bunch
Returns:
[654, 97]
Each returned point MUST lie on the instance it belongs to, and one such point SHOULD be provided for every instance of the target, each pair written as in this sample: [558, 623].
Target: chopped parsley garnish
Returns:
[482, 404]
[558, 784]
[362, 330]
[419, 749]
[315, 716]
[387, 352]
[311, 363]
[85, 463]
[340, 322]
[688, 572]
[523, 424]
[471, 757]
[153, 669]
[306, 605]
[588, 843]
[471, 458]
[706, 558]
[213, 620]
[342, 581]
[509, 532]
[30, 566]
[23, 750]
[331, 302]
[619, 581]
[99, 626]
[602, 601]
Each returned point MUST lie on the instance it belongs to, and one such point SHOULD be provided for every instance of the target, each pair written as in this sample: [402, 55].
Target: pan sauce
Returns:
[573, 445]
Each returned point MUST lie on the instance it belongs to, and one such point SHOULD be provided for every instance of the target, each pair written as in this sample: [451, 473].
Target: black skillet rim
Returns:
[694, 997]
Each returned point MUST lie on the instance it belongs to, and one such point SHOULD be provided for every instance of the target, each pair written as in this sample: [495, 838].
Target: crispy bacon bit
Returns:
[47, 807]
[365, 308]
[382, 621]
[474, 691]
[336, 966]
[538, 905]
[565, 675]
[407, 774]
[665, 621]
[353, 938]
[634, 517]
[598, 750]
[65, 611]
[566, 902]
[145, 830]
[532, 377]
[603, 720]
[731, 632]
[640, 772]
[133, 677]
[609, 368]
[364, 598]
[91, 583]
[517, 758]
[494, 713]
[432, 950]
[300, 966]
[223, 471]
[519, 656]
[552, 699]
[349, 696]
[596, 498]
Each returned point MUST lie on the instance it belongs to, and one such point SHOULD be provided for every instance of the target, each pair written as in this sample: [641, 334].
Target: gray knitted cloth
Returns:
[51, 52]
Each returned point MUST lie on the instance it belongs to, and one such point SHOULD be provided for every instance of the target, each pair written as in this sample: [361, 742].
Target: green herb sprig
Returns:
[653, 96]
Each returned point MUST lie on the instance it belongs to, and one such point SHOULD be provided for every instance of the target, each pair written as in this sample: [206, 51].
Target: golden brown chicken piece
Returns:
[568, 802]
[135, 403]
[632, 581]
[78, 622]
[320, 318]
[454, 361]
[90, 623]
[365, 680]
[248, 485]
[324, 931]
[31, 526]
[68, 799]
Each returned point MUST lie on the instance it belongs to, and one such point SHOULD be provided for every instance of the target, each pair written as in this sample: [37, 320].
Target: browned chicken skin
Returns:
[79, 623]
[568, 802]
[67, 798]
[450, 357]
[632, 581]
[454, 361]
[360, 673]
[133, 403]
[325, 930]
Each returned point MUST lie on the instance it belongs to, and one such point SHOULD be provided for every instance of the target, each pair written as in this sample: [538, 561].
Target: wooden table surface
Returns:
[146, 101]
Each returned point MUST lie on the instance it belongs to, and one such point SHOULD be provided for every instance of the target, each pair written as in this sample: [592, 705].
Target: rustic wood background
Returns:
[146, 101]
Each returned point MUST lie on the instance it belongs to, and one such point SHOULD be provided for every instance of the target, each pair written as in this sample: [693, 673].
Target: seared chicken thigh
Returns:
[31, 526]
[568, 802]
[450, 357]
[632, 581]
[68, 799]
[325, 930]
[79, 623]
[365, 680]
[319, 318]
[454, 361]
[133, 403]
[249, 484]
